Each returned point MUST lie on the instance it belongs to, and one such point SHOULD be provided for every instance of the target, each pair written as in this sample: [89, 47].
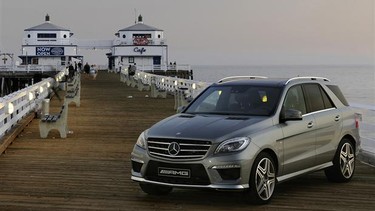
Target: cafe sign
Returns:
[139, 50]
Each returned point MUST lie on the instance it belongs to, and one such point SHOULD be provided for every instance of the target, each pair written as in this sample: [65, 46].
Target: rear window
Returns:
[336, 90]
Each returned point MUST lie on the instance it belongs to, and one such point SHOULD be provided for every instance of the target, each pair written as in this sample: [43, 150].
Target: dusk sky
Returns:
[213, 32]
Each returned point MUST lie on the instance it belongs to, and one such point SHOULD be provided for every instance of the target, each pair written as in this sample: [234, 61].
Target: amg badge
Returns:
[168, 172]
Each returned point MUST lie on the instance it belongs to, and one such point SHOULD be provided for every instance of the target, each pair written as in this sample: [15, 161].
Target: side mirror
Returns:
[291, 115]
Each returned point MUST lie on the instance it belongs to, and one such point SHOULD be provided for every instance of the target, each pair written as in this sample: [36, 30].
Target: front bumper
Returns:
[229, 171]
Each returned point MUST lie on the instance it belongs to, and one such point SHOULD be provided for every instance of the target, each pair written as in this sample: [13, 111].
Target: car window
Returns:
[209, 103]
[336, 90]
[294, 99]
[237, 100]
[327, 101]
[317, 98]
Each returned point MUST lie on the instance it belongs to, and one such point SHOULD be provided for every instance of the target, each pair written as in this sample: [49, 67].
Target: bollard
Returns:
[45, 107]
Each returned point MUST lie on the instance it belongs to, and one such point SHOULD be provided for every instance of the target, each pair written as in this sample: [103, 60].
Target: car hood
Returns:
[203, 127]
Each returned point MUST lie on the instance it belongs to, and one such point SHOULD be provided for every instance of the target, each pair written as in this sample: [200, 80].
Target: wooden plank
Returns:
[90, 170]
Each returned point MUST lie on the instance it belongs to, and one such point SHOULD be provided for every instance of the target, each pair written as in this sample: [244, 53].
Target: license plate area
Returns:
[174, 172]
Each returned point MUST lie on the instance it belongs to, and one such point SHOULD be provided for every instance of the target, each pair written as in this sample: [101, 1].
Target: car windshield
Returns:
[236, 100]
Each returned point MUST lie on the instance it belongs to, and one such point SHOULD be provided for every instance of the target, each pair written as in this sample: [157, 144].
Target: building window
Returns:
[46, 35]
[63, 60]
[159, 36]
[142, 36]
[34, 61]
[131, 59]
[64, 35]
[28, 36]
[123, 36]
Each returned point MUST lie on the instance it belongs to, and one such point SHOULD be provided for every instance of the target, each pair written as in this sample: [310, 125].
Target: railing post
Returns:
[45, 107]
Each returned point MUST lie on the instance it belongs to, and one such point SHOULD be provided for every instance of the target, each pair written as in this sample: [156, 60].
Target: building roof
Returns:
[140, 27]
[47, 27]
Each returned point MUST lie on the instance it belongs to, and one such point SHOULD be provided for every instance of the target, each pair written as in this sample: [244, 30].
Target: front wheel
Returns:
[343, 163]
[152, 189]
[262, 180]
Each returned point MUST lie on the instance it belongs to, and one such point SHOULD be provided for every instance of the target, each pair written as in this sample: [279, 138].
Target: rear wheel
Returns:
[343, 163]
[153, 189]
[262, 180]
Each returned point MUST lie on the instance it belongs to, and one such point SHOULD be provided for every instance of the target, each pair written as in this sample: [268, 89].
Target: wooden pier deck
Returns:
[90, 170]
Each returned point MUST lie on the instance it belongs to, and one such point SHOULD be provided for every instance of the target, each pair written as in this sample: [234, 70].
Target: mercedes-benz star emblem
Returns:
[173, 148]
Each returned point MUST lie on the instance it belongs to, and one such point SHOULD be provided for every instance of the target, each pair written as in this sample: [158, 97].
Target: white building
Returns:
[48, 44]
[140, 45]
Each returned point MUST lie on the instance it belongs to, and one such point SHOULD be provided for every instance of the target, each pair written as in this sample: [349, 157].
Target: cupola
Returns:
[140, 19]
[47, 18]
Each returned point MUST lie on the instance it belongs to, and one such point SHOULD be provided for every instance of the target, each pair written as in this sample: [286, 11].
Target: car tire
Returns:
[343, 163]
[262, 180]
[153, 189]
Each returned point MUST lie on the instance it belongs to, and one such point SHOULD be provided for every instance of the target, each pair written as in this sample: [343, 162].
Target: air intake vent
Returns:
[186, 116]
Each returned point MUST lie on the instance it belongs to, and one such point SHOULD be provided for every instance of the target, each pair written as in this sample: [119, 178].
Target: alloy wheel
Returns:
[347, 160]
[265, 178]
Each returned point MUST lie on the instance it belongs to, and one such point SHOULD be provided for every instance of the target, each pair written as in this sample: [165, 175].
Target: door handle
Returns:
[310, 124]
[337, 118]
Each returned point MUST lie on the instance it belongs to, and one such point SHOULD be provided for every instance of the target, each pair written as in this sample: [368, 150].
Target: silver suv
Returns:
[250, 132]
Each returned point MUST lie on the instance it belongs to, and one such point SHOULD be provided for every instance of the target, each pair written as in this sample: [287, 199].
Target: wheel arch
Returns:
[273, 155]
[352, 141]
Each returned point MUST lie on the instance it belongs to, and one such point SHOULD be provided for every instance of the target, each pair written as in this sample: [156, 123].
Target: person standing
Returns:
[86, 68]
[79, 66]
[71, 71]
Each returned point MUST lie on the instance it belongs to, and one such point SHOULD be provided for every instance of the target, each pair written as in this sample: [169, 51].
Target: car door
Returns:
[299, 136]
[328, 122]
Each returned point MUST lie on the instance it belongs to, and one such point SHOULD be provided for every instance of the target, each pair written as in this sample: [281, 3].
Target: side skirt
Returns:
[305, 171]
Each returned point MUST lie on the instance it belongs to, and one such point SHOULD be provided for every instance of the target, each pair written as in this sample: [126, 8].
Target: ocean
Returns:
[356, 82]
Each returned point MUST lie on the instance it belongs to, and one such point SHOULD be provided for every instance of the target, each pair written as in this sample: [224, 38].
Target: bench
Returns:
[142, 86]
[182, 97]
[73, 96]
[157, 92]
[73, 91]
[54, 121]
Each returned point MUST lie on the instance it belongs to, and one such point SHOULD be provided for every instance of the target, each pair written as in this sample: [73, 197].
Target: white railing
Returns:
[29, 68]
[176, 67]
[184, 90]
[171, 84]
[17, 105]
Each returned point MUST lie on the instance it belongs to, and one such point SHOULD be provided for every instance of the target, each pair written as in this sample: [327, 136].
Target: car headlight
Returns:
[141, 141]
[233, 145]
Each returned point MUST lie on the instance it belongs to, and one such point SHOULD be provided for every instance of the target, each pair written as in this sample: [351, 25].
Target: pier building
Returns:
[48, 44]
[140, 45]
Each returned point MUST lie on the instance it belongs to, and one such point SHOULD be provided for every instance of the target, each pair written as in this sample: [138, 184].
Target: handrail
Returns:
[233, 78]
[17, 105]
[313, 78]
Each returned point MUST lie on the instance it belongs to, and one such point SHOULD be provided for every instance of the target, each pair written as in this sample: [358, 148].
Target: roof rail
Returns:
[312, 78]
[233, 78]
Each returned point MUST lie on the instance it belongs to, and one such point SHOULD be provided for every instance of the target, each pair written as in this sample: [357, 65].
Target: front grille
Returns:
[198, 173]
[186, 149]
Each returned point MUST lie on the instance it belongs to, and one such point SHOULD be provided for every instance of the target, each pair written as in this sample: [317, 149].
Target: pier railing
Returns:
[29, 68]
[157, 68]
[17, 105]
[184, 90]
